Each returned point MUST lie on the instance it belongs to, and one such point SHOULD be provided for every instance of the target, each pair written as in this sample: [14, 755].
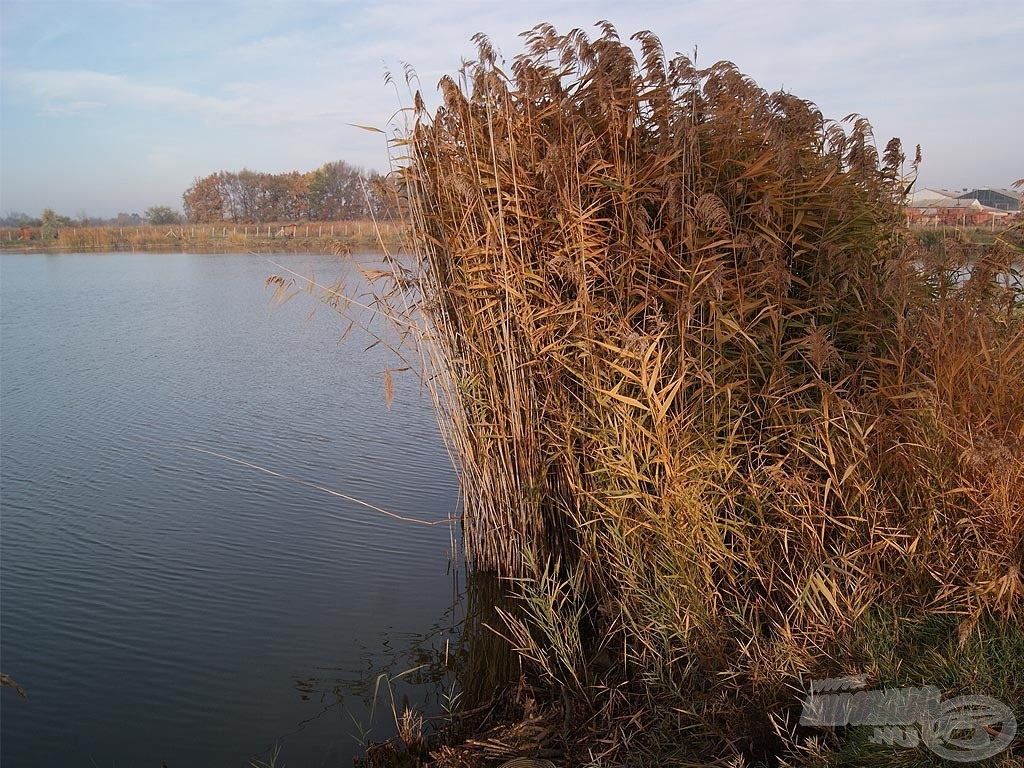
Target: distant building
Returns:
[927, 198]
[1000, 199]
[961, 207]
[924, 197]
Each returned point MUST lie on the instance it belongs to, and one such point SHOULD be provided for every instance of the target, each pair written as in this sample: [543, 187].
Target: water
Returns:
[160, 604]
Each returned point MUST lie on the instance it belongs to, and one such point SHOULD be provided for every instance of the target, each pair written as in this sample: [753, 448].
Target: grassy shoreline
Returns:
[315, 237]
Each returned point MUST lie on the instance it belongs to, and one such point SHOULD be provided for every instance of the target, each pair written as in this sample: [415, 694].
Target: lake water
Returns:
[161, 604]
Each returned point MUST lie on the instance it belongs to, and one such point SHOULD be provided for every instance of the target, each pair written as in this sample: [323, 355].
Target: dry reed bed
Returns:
[317, 235]
[712, 407]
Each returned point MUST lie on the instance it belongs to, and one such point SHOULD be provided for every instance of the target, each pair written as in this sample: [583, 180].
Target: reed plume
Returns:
[689, 359]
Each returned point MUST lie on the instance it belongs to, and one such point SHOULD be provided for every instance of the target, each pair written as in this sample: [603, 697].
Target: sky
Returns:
[114, 106]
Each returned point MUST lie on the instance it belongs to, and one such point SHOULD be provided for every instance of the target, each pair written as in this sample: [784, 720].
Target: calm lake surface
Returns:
[160, 604]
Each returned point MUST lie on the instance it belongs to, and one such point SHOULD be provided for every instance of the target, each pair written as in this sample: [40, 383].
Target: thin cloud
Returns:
[60, 88]
[70, 92]
[272, 45]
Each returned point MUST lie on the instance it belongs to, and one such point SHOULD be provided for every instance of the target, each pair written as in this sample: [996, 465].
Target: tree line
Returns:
[154, 215]
[334, 192]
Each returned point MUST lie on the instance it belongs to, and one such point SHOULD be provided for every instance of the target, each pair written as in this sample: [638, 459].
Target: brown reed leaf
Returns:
[681, 345]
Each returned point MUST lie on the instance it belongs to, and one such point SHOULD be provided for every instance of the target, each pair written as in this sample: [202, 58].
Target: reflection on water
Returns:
[484, 662]
[456, 666]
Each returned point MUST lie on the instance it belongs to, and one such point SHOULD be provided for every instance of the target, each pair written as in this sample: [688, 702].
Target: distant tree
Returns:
[205, 199]
[19, 219]
[298, 196]
[49, 225]
[162, 214]
[128, 220]
[281, 197]
[241, 195]
[248, 197]
[336, 192]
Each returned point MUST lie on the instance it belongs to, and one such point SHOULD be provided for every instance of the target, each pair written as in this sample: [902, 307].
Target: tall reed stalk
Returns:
[689, 360]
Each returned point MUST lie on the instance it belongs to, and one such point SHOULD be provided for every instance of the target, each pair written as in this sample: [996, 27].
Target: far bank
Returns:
[315, 237]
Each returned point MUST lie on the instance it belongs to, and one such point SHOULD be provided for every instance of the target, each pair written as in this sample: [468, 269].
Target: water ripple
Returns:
[159, 603]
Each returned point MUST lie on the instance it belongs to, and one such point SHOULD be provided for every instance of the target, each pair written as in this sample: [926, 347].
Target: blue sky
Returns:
[115, 106]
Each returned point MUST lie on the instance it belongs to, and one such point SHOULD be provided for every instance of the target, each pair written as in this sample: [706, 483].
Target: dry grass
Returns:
[712, 409]
[226, 237]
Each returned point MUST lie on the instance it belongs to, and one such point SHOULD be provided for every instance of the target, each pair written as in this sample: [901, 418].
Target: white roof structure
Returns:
[932, 198]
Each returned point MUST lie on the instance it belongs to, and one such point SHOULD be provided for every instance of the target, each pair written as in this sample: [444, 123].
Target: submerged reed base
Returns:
[724, 426]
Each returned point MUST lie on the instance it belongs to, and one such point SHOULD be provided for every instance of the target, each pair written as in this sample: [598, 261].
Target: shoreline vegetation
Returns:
[337, 237]
[724, 426]
[316, 237]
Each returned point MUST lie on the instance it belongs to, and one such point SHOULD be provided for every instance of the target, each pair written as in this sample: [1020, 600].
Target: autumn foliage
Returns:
[334, 192]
